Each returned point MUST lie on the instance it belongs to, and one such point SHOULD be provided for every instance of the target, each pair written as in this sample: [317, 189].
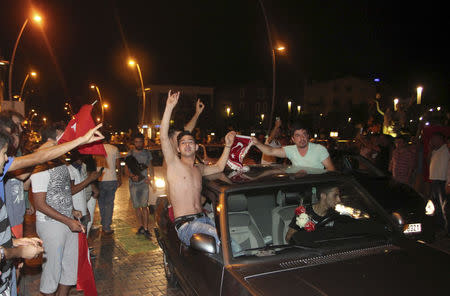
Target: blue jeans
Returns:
[202, 225]
[106, 202]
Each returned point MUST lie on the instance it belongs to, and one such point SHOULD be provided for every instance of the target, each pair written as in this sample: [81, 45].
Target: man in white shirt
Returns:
[440, 158]
[109, 181]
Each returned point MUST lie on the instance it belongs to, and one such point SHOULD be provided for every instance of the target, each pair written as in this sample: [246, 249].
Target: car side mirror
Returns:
[203, 243]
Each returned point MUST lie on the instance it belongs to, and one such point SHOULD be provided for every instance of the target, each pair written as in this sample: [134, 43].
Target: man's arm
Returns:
[328, 164]
[42, 206]
[199, 106]
[274, 131]
[168, 151]
[269, 150]
[219, 166]
[49, 153]
[75, 188]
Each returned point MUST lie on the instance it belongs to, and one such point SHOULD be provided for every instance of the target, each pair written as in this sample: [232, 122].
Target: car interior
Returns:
[263, 219]
[259, 218]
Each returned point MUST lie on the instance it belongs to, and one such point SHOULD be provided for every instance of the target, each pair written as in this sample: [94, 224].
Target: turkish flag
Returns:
[238, 150]
[80, 125]
[85, 275]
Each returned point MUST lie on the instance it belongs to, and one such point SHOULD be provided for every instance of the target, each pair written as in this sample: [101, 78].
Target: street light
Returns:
[32, 74]
[299, 108]
[228, 109]
[419, 95]
[395, 104]
[93, 86]
[289, 106]
[36, 18]
[133, 63]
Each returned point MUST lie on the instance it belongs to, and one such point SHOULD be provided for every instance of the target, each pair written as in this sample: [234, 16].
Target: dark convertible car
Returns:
[357, 249]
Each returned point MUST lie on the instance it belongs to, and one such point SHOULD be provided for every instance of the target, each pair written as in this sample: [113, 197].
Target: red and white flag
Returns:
[85, 275]
[238, 150]
[80, 125]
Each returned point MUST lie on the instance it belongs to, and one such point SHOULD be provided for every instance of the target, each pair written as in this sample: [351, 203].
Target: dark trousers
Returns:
[106, 202]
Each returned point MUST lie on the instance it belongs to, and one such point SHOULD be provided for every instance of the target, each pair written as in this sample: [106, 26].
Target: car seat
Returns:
[243, 229]
[282, 215]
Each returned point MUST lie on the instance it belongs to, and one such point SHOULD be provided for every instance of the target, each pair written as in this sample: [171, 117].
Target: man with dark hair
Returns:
[26, 247]
[139, 183]
[302, 153]
[329, 197]
[185, 178]
[109, 181]
[402, 161]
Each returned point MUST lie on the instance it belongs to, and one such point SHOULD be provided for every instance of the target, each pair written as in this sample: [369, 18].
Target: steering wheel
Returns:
[326, 220]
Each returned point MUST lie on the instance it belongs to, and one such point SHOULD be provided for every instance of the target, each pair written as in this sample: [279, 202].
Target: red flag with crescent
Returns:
[238, 150]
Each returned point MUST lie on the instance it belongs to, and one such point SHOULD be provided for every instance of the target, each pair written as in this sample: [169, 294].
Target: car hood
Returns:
[389, 271]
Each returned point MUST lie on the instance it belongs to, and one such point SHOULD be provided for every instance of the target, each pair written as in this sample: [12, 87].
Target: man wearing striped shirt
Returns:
[402, 161]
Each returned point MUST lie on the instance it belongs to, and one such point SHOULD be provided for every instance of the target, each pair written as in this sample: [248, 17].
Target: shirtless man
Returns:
[185, 178]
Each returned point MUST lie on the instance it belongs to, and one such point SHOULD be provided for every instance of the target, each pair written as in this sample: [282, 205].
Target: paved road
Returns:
[126, 264]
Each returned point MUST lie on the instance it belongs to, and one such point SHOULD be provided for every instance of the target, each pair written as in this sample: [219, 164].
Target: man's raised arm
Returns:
[49, 153]
[269, 150]
[199, 106]
[219, 166]
[168, 151]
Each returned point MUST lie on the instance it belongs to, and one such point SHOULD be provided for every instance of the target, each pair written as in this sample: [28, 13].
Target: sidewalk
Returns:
[126, 263]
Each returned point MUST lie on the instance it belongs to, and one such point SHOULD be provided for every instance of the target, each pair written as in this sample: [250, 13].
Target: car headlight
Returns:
[429, 208]
[160, 183]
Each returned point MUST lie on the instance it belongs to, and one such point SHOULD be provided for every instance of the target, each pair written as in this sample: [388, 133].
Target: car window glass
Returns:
[260, 218]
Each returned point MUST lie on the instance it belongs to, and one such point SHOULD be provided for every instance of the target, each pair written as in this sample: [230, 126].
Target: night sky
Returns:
[219, 43]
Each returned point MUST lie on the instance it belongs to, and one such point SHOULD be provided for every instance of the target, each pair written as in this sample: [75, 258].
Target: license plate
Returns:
[413, 228]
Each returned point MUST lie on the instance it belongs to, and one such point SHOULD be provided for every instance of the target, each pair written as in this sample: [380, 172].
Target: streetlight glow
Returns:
[395, 104]
[419, 95]
[281, 48]
[131, 63]
[37, 18]
[34, 74]
[289, 106]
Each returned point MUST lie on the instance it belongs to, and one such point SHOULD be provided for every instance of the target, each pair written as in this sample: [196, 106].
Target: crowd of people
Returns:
[66, 185]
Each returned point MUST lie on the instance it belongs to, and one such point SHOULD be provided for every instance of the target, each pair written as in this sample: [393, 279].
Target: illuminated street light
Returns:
[419, 95]
[36, 18]
[289, 106]
[105, 106]
[395, 104]
[281, 48]
[133, 63]
[228, 109]
[262, 117]
[299, 109]
[93, 86]
[32, 74]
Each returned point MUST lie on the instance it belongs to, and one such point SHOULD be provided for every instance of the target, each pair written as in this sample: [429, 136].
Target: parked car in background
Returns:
[362, 253]
[413, 212]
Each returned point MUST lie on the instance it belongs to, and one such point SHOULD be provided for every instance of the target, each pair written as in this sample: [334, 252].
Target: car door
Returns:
[203, 271]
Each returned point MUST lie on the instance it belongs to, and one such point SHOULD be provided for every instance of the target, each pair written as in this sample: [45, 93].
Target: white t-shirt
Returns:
[313, 158]
[439, 163]
[108, 162]
[79, 199]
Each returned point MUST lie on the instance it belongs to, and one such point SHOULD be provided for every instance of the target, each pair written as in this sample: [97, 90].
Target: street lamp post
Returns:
[32, 74]
[36, 18]
[132, 63]
[93, 86]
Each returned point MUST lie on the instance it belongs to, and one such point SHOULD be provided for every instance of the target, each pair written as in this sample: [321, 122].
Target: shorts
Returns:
[61, 255]
[139, 194]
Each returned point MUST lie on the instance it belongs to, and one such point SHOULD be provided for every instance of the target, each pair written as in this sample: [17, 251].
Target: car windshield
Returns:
[310, 216]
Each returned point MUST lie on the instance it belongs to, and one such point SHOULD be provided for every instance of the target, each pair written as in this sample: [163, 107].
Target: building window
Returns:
[258, 108]
[242, 92]
[264, 107]
[242, 107]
